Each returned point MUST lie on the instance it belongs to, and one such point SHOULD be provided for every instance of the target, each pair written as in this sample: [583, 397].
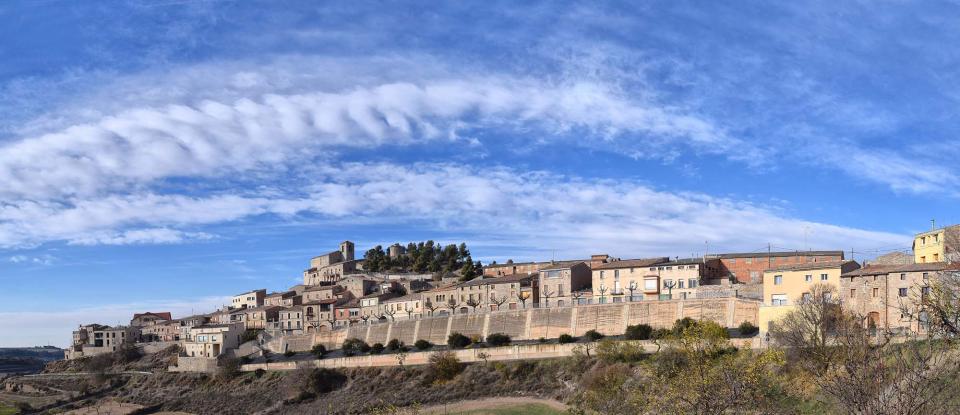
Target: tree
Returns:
[603, 298]
[498, 300]
[468, 272]
[430, 306]
[669, 285]
[498, 339]
[577, 295]
[473, 304]
[457, 340]
[546, 293]
[390, 312]
[632, 287]
[522, 296]
[866, 373]
[452, 304]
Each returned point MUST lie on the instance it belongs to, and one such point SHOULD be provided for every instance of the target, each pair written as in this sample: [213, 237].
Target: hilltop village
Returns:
[424, 293]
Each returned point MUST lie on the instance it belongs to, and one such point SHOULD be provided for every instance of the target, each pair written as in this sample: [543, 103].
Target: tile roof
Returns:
[560, 265]
[811, 265]
[894, 268]
[164, 315]
[631, 263]
[779, 254]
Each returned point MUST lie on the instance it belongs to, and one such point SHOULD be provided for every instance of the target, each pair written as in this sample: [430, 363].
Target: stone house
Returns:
[331, 267]
[282, 299]
[560, 280]
[371, 306]
[612, 282]
[889, 297]
[291, 320]
[212, 340]
[144, 319]
[347, 313]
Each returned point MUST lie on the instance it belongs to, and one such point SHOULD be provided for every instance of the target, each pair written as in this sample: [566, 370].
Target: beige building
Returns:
[372, 306]
[785, 286]
[938, 245]
[212, 340]
[94, 339]
[249, 299]
[256, 318]
[441, 300]
[144, 319]
[680, 279]
[332, 266]
[558, 281]
[164, 331]
[291, 320]
[409, 306]
[888, 296]
[282, 299]
[612, 282]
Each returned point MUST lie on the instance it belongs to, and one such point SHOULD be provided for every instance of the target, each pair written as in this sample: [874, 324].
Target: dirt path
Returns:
[489, 403]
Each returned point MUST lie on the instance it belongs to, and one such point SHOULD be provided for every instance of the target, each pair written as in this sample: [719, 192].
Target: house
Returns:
[622, 280]
[937, 245]
[681, 278]
[212, 340]
[332, 266]
[94, 339]
[143, 319]
[190, 322]
[889, 296]
[164, 331]
[257, 318]
[786, 285]
[347, 313]
[249, 299]
[749, 267]
[290, 320]
[560, 280]
[282, 299]
[358, 285]
[515, 268]
[371, 306]
[442, 300]
[404, 307]
[318, 314]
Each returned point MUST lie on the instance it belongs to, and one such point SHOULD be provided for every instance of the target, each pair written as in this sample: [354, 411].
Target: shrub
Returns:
[323, 380]
[613, 351]
[476, 339]
[289, 353]
[748, 329]
[259, 373]
[245, 359]
[458, 341]
[638, 332]
[249, 335]
[353, 346]
[498, 339]
[566, 338]
[542, 340]
[229, 368]
[394, 345]
[319, 350]
[444, 366]
[377, 348]
[593, 335]
[660, 333]
[129, 352]
[682, 324]
[422, 344]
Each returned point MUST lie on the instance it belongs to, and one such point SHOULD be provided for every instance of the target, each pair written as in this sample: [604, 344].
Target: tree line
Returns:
[423, 257]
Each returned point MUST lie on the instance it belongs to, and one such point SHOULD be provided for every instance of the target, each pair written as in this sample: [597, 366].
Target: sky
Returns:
[162, 155]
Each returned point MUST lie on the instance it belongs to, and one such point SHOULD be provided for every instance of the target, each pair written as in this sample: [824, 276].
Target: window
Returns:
[669, 268]
[693, 283]
[631, 270]
[806, 297]
[808, 277]
[754, 275]
[653, 268]
[903, 277]
[936, 257]
[667, 283]
[601, 275]
[691, 267]
[679, 283]
[777, 279]
[616, 273]
[903, 292]
[926, 276]
[559, 289]
[876, 291]
[823, 277]
[853, 292]
[650, 285]
[778, 299]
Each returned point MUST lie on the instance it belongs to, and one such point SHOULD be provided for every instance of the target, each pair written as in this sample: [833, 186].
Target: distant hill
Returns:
[27, 359]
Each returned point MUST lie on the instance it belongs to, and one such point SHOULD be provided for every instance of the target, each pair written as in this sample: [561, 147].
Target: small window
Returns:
[616, 273]
[777, 279]
[679, 283]
[903, 292]
[693, 283]
[806, 297]
[853, 292]
[601, 274]
[823, 277]
[778, 299]
[808, 277]
[876, 291]
[903, 277]
[926, 276]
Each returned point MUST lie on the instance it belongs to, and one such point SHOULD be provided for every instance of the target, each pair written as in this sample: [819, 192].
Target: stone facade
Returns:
[558, 282]
[888, 297]
[749, 267]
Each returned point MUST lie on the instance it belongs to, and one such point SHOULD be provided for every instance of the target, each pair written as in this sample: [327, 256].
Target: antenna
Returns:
[933, 224]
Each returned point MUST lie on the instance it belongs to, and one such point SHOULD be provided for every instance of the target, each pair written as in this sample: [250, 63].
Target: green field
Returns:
[7, 410]
[524, 409]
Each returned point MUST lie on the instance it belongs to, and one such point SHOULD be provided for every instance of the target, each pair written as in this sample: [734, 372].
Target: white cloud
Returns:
[45, 259]
[140, 236]
[54, 327]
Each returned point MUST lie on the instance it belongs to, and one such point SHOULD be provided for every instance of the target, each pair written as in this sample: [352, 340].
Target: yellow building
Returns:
[938, 245]
[785, 286]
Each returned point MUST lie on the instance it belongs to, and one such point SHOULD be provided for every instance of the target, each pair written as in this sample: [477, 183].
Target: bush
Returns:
[444, 366]
[638, 332]
[394, 345]
[682, 324]
[593, 335]
[319, 350]
[498, 339]
[613, 351]
[422, 344]
[129, 352]
[542, 340]
[377, 348]
[458, 341]
[660, 333]
[249, 335]
[354, 346]
[566, 338]
[748, 329]
[289, 353]
[323, 380]
[259, 373]
[229, 368]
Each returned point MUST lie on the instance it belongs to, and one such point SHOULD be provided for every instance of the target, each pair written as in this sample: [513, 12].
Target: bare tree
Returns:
[473, 304]
[632, 287]
[669, 285]
[866, 374]
[499, 301]
[577, 295]
[602, 290]
[546, 294]
[522, 297]
[452, 304]
[430, 306]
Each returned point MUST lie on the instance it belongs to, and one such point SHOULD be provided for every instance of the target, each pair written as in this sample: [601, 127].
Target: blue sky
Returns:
[159, 155]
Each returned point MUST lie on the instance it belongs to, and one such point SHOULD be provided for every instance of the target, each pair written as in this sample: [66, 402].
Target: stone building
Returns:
[749, 267]
[332, 266]
[558, 281]
[282, 299]
[347, 313]
[785, 285]
[680, 279]
[888, 296]
[290, 320]
[144, 319]
[212, 340]
[405, 307]
[94, 339]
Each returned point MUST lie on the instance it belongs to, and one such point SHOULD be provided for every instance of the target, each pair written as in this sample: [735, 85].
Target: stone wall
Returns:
[534, 323]
[194, 364]
[154, 347]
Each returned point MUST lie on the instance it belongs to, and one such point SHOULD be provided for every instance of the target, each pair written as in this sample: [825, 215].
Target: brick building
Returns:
[748, 267]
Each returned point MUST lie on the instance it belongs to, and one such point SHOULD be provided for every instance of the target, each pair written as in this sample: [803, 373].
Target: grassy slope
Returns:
[526, 409]
[7, 410]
